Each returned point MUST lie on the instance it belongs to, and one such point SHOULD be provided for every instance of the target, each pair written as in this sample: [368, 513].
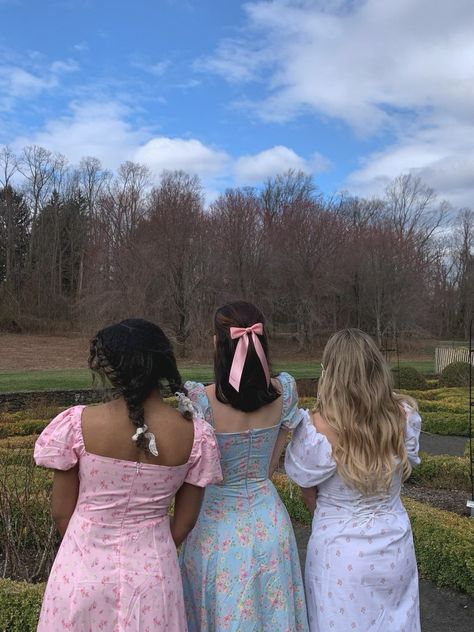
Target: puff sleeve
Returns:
[308, 458]
[197, 394]
[412, 434]
[60, 444]
[291, 414]
[205, 461]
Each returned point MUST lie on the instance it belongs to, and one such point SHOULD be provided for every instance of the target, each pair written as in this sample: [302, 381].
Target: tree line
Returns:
[81, 246]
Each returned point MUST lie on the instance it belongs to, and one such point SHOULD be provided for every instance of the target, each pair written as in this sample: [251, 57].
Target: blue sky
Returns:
[354, 91]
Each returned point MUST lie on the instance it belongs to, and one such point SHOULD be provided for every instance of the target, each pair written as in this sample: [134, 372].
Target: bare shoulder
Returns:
[97, 413]
[322, 427]
[277, 384]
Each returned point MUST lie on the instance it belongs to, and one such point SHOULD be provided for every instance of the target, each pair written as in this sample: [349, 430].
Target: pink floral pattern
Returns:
[240, 564]
[361, 569]
[117, 569]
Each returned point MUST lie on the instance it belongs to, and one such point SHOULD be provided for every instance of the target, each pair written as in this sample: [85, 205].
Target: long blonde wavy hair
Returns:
[356, 398]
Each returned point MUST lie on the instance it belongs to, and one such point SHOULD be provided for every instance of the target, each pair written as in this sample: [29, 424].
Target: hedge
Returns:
[455, 374]
[20, 604]
[22, 428]
[442, 472]
[407, 377]
[445, 423]
[444, 541]
[444, 544]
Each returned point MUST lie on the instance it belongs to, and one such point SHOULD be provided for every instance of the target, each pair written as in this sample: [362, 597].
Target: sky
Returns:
[354, 92]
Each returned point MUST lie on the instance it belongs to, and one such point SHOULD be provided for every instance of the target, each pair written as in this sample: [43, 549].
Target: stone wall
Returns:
[30, 399]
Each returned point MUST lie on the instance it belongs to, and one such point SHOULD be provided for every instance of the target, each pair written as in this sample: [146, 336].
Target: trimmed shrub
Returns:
[20, 605]
[455, 374]
[22, 428]
[442, 472]
[467, 450]
[408, 378]
[445, 423]
[444, 544]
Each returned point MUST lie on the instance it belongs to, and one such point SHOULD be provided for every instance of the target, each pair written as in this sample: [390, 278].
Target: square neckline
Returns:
[250, 430]
[136, 464]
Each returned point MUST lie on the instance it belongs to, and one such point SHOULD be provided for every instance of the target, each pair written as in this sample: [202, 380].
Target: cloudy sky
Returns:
[354, 91]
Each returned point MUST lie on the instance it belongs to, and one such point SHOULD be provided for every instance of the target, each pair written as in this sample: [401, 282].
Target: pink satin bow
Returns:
[241, 350]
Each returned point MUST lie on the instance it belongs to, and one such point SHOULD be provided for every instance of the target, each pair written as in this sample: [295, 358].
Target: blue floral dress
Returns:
[240, 565]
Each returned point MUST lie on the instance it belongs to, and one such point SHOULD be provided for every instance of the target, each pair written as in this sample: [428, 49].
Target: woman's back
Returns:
[243, 544]
[107, 431]
[117, 468]
[247, 440]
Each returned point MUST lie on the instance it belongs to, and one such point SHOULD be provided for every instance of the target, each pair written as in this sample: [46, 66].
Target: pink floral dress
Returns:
[117, 569]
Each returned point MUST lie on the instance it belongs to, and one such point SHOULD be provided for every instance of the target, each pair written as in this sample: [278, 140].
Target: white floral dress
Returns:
[361, 569]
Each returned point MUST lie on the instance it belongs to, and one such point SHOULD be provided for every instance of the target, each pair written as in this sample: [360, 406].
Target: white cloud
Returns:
[157, 69]
[104, 130]
[255, 168]
[81, 47]
[441, 155]
[91, 129]
[400, 70]
[19, 82]
[16, 82]
[190, 155]
[357, 64]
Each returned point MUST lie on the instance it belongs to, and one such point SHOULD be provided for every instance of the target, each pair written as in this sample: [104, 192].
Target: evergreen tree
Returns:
[14, 237]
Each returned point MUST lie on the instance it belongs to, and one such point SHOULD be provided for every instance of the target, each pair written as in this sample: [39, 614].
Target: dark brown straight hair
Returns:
[254, 391]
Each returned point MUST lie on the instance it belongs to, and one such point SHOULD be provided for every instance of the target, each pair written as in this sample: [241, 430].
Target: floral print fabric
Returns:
[117, 569]
[361, 569]
[240, 564]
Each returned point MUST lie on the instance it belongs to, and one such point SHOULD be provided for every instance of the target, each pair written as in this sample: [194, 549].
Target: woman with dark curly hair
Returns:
[117, 468]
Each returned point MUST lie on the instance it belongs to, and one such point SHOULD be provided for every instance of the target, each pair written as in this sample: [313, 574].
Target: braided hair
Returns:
[134, 356]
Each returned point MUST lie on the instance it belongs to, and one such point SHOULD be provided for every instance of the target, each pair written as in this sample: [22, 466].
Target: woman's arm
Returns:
[277, 450]
[309, 496]
[187, 504]
[64, 497]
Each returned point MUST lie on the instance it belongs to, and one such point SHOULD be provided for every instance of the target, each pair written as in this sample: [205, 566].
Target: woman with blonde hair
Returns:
[349, 456]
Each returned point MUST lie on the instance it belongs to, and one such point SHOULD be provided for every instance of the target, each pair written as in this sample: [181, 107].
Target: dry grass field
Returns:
[19, 352]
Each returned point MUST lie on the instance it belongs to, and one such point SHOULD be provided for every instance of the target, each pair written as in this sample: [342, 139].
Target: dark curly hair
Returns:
[254, 391]
[135, 356]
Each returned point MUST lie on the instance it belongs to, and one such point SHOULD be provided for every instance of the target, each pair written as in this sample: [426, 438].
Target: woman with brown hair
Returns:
[349, 456]
[240, 563]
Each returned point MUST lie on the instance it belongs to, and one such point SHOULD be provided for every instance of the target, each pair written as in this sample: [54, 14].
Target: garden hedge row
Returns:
[445, 423]
[444, 541]
[442, 472]
[20, 604]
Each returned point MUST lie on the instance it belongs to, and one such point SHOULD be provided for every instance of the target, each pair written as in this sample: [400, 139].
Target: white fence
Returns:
[446, 355]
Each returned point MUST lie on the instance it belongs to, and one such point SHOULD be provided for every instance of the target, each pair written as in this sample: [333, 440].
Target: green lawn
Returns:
[81, 378]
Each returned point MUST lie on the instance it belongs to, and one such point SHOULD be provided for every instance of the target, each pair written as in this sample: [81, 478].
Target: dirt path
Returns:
[442, 610]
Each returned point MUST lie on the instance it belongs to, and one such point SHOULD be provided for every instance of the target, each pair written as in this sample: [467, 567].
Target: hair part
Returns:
[356, 398]
[254, 390]
[135, 356]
